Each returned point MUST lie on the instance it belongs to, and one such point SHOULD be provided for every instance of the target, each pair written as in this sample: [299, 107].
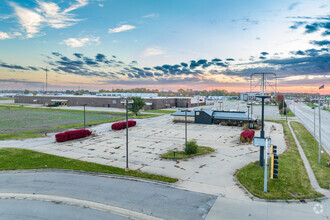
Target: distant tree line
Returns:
[180, 92]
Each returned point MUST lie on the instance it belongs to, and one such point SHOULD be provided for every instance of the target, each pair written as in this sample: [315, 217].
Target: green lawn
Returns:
[292, 182]
[326, 109]
[311, 105]
[6, 98]
[290, 113]
[182, 155]
[311, 149]
[162, 111]
[26, 122]
[20, 159]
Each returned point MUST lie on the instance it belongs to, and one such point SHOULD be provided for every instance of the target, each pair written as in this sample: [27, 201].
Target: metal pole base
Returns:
[127, 169]
[261, 157]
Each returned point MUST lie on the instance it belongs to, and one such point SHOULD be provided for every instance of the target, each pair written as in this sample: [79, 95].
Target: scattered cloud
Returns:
[80, 42]
[125, 27]
[78, 4]
[153, 51]
[22, 81]
[293, 5]
[321, 42]
[46, 14]
[4, 35]
[152, 15]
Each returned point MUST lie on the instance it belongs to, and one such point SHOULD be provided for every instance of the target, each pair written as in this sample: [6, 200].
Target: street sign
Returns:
[258, 141]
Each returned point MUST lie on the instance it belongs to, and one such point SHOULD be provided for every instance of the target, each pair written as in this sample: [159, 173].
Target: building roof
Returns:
[182, 113]
[230, 115]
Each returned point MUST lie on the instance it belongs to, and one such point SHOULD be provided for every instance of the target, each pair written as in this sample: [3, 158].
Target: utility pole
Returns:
[46, 78]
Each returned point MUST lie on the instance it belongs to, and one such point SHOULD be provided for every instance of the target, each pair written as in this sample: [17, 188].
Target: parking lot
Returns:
[153, 137]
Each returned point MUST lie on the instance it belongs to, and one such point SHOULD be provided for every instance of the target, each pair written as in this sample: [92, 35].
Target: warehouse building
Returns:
[152, 103]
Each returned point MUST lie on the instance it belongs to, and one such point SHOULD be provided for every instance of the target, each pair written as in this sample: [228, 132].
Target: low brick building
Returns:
[153, 103]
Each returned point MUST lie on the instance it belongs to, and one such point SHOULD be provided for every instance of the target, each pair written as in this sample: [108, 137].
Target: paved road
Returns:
[32, 209]
[146, 198]
[305, 114]
[158, 200]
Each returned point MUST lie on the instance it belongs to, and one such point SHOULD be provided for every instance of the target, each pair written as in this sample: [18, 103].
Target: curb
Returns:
[82, 203]
[81, 172]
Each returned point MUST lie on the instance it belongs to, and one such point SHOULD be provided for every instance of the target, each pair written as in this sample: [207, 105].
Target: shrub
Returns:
[61, 137]
[122, 125]
[71, 135]
[247, 135]
[191, 147]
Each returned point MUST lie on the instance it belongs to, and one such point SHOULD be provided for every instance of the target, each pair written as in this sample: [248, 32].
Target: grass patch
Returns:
[162, 111]
[34, 160]
[326, 109]
[26, 122]
[182, 155]
[311, 149]
[311, 105]
[292, 182]
[6, 98]
[290, 113]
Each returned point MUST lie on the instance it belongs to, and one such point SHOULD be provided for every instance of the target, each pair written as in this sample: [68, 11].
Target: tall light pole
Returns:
[314, 122]
[85, 116]
[185, 120]
[320, 129]
[262, 132]
[248, 115]
[126, 102]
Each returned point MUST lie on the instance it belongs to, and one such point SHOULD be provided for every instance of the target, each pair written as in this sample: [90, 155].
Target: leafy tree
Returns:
[280, 106]
[138, 104]
[279, 98]
[26, 91]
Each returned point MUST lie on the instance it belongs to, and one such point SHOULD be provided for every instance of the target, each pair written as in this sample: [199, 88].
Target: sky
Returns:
[165, 44]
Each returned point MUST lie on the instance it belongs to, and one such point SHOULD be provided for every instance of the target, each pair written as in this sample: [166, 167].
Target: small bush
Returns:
[247, 136]
[71, 135]
[61, 137]
[191, 147]
[122, 125]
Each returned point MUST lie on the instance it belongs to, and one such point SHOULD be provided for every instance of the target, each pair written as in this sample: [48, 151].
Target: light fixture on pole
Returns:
[125, 102]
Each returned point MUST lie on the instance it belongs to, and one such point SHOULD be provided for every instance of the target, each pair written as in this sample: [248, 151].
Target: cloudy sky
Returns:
[167, 44]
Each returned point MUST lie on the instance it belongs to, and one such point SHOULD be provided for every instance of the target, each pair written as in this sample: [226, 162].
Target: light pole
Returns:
[314, 122]
[85, 116]
[286, 111]
[248, 115]
[262, 132]
[185, 120]
[126, 102]
[320, 129]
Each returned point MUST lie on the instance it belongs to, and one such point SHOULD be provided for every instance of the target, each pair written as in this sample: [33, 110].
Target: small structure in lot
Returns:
[208, 116]
[180, 116]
